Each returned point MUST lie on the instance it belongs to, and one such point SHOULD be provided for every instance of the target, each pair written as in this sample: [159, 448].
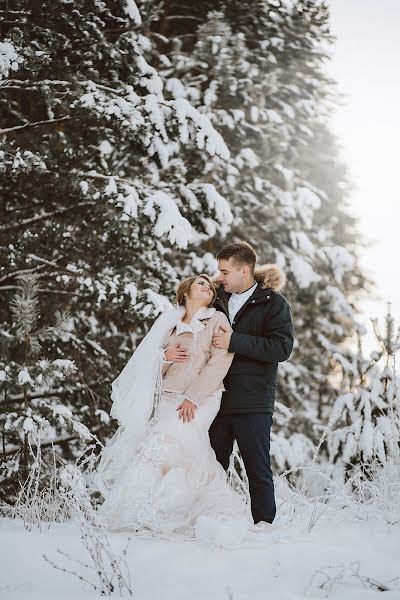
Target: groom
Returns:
[262, 337]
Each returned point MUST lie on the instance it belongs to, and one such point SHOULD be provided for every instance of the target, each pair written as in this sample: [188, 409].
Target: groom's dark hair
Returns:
[241, 253]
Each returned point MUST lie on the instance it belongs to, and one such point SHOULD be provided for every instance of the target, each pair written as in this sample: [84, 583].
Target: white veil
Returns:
[135, 395]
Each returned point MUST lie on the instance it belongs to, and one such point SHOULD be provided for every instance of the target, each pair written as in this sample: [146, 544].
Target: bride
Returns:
[159, 473]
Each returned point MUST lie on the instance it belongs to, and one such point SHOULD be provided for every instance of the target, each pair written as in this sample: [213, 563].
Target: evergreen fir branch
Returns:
[24, 305]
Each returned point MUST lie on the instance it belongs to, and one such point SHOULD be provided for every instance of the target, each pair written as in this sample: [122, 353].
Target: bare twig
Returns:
[24, 222]
[35, 124]
[55, 442]
[18, 398]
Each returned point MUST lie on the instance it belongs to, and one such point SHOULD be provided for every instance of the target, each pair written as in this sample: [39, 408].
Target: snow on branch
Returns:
[9, 59]
[34, 124]
[303, 272]
[124, 109]
[161, 209]
[133, 112]
[169, 220]
[132, 11]
[215, 201]
[340, 259]
[206, 136]
[307, 203]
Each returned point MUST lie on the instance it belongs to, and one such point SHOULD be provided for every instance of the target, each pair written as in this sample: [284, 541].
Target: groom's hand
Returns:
[186, 411]
[177, 354]
[222, 338]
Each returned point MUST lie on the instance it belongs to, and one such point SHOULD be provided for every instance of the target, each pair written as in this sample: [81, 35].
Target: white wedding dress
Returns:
[175, 487]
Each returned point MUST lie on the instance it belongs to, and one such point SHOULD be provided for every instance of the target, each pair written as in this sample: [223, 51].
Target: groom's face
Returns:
[230, 275]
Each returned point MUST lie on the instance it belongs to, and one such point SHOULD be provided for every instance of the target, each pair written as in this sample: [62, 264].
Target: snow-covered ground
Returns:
[281, 564]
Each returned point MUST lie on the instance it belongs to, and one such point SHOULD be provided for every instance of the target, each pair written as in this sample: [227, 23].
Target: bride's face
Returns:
[200, 292]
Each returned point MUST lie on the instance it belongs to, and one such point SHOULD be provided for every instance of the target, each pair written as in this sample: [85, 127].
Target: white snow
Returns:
[254, 113]
[124, 109]
[207, 263]
[340, 259]
[340, 303]
[24, 160]
[286, 562]
[210, 95]
[24, 377]
[303, 272]
[293, 451]
[105, 148]
[96, 346]
[144, 67]
[84, 186]
[63, 363]
[87, 100]
[156, 303]
[153, 84]
[308, 198]
[9, 59]
[206, 136]
[64, 411]
[111, 187]
[131, 289]
[103, 415]
[131, 201]
[288, 110]
[308, 202]
[169, 220]
[274, 117]
[247, 157]
[132, 11]
[286, 200]
[215, 201]
[156, 114]
[175, 87]
[28, 424]
[301, 241]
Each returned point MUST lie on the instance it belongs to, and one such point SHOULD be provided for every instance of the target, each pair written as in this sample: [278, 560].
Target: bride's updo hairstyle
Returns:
[185, 285]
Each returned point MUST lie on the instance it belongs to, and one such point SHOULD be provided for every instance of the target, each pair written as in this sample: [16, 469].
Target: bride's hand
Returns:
[186, 411]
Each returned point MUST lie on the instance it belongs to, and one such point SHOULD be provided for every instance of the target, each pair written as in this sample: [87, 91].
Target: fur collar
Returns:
[195, 324]
[269, 275]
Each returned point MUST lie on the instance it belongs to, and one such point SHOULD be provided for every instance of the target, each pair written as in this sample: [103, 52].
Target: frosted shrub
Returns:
[366, 415]
[35, 425]
[106, 571]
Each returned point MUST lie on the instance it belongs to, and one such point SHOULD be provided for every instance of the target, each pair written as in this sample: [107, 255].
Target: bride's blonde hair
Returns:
[185, 285]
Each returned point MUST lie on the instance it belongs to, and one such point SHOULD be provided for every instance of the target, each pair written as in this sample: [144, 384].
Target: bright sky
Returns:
[366, 65]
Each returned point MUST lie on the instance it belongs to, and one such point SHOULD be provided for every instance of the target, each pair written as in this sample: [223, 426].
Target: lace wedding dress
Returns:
[158, 475]
[175, 486]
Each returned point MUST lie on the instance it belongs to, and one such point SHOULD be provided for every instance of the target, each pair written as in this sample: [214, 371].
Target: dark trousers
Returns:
[252, 433]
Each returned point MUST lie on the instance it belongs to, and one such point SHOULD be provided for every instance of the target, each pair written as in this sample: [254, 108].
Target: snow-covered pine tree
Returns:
[334, 312]
[366, 415]
[98, 196]
[31, 417]
[256, 69]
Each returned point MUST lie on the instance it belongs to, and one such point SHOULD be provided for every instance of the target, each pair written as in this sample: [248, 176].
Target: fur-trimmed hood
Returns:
[269, 275]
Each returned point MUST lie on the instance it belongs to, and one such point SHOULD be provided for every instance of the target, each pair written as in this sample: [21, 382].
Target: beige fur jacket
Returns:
[203, 372]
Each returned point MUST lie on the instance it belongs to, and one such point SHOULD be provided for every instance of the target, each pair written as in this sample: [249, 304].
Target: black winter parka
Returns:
[262, 337]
